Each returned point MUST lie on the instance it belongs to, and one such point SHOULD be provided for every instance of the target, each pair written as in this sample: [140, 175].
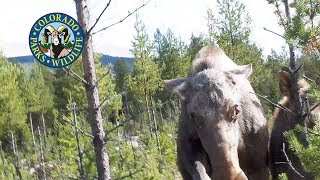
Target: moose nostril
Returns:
[191, 115]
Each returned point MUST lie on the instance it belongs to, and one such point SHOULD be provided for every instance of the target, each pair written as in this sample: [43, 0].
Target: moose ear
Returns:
[244, 70]
[284, 83]
[178, 86]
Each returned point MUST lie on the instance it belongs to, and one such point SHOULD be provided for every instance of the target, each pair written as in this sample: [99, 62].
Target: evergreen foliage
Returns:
[139, 116]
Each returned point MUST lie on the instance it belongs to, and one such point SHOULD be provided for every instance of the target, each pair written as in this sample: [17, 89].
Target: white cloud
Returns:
[182, 16]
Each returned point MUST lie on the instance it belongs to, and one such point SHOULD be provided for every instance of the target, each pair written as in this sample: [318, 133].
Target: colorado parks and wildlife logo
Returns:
[56, 40]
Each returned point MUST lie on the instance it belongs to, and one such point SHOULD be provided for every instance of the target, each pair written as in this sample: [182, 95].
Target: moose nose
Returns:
[191, 115]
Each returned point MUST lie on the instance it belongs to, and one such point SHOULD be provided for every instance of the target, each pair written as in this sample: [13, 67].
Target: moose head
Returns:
[295, 111]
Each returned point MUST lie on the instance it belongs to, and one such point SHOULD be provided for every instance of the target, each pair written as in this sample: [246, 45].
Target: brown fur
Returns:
[198, 144]
[210, 56]
[284, 121]
[304, 86]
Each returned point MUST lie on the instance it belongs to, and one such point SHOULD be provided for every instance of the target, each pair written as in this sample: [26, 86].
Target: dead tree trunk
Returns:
[133, 151]
[4, 161]
[298, 106]
[80, 166]
[32, 133]
[43, 165]
[295, 88]
[34, 161]
[161, 115]
[153, 111]
[291, 49]
[148, 111]
[16, 156]
[92, 92]
[119, 144]
[44, 130]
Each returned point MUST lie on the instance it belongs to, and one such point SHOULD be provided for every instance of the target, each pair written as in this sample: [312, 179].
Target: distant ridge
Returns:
[22, 59]
[105, 59]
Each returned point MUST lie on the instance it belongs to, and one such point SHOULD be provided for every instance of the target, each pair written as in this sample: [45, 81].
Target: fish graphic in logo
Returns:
[56, 40]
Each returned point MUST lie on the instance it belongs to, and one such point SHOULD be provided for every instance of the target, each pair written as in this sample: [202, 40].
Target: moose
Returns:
[222, 131]
[286, 119]
[56, 49]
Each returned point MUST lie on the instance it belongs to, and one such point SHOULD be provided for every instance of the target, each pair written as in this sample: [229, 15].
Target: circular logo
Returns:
[56, 40]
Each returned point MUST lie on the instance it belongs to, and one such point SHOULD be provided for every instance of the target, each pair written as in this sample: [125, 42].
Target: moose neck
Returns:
[253, 117]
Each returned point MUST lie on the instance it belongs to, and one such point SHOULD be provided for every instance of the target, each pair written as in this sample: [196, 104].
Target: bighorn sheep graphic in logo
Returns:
[59, 37]
[56, 40]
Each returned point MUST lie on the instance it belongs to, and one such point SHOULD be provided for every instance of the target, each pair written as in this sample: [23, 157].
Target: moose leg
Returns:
[184, 165]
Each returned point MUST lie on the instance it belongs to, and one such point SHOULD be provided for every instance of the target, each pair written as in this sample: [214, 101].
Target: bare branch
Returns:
[311, 109]
[274, 104]
[103, 76]
[288, 160]
[97, 20]
[130, 118]
[108, 99]
[312, 13]
[278, 12]
[81, 131]
[129, 175]
[295, 45]
[273, 32]
[118, 125]
[121, 20]
[314, 107]
[314, 133]
[311, 80]
[74, 75]
[297, 70]
[114, 140]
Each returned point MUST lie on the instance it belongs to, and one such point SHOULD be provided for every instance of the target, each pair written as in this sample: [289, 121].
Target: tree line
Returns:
[45, 122]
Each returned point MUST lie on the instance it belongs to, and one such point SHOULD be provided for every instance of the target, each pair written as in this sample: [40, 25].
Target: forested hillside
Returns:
[44, 118]
[27, 61]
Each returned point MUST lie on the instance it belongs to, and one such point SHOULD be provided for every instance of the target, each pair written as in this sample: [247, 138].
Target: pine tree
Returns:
[66, 87]
[145, 78]
[12, 108]
[196, 43]
[300, 21]
[121, 70]
[43, 99]
[173, 59]
[230, 27]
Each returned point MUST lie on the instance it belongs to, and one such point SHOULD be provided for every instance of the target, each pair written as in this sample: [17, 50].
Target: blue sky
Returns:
[183, 17]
